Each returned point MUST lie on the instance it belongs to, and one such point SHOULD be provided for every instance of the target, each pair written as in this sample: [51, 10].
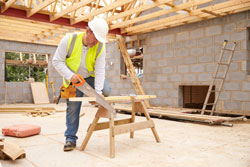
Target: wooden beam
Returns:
[157, 14]
[136, 10]
[39, 7]
[70, 9]
[115, 98]
[212, 13]
[7, 5]
[101, 10]
[105, 125]
[181, 19]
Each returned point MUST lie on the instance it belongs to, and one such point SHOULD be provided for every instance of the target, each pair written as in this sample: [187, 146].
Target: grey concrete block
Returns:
[162, 78]
[232, 86]
[238, 16]
[243, 45]
[175, 77]
[220, 38]
[190, 60]
[212, 50]
[156, 41]
[168, 85]
[213, 30]
[167, 70]
[196, 34]
[224, 96]
[182, 36]
[197, 68]
[177, 45]
[240, 55]
[168, 54]
[189, 43]
[182, 52]
[156, 55]
[196, 52]
[238, 76]
[206, 41]
[168, 38]
[161, 93]
[168, 101]
[246, 86]
[246, 106]
[228, 28]
[173, 93]
[183, 69]
[205, 59]
[234, 66]
[232, 105]
[204, 77]
[189, 77]
[241, 96]
[237, 36]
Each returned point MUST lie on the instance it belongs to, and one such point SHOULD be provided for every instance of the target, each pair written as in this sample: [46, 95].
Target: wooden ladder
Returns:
[216, 77]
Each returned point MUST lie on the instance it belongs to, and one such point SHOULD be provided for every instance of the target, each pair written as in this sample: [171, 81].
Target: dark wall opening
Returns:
[194, 96]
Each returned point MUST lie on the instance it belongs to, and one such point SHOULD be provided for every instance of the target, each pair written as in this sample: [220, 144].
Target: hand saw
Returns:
[89, 91]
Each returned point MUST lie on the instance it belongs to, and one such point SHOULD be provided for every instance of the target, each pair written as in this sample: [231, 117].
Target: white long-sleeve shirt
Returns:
[59, 62]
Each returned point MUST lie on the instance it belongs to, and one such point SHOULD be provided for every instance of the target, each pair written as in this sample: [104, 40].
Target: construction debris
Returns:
[11, 151]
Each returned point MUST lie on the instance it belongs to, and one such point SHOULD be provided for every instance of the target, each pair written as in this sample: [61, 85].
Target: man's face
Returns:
[90, 40]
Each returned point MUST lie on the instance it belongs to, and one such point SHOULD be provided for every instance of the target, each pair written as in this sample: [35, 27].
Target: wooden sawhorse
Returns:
[119, 126]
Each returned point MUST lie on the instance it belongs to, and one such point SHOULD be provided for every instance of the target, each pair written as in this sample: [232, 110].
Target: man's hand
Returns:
[75, 79]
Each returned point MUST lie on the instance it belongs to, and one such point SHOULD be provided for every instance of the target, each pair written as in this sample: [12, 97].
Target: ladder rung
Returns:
[214, 91]
[224, 64]
[218, 78]
[228, 49]
[210, 104]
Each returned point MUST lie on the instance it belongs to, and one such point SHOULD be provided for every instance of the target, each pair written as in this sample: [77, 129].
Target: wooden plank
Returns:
[39, 93]
[115, 98]
[210, 12]
[39, 7]
[105, 125]
[111, 136]
[12, 150]
[1, 145]
[101, 10]
[120, 129]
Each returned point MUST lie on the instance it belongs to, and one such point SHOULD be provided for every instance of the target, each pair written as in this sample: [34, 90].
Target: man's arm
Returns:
[100, 72]
[59, 59]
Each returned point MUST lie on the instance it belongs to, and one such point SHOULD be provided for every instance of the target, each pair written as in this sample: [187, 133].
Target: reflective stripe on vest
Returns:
[74, 54]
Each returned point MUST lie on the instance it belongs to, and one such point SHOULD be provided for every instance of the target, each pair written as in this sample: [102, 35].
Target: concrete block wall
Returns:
[20, 92]
[187, 55]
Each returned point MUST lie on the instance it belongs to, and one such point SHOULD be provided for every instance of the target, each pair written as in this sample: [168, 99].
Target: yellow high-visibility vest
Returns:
[73, 58]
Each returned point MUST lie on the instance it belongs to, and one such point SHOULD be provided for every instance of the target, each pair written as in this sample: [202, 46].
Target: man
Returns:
[84, 54]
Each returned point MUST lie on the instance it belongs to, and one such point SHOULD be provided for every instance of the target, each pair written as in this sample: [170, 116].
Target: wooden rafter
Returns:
[70, 9]
[158, 13]
[39, 7]
[102, 10]
[7, 5]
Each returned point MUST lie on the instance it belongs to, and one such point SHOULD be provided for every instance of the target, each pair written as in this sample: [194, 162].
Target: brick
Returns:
[227, 28]
[182, 52]
[190, 60]
[241, 96]
[197, 68]
[167, 70]
[183, 69]
[175, 77]
[232, 105]
[231, 86]
[197, 51]
[238, 76]
[205, 41]
[196, 34]
[213, 30]
[182, 36]
[224, 96]
[246, 86]
[189, 77]
[205, 59]
[204, 77]
[237, 36]
[168, 38]
[189, 43]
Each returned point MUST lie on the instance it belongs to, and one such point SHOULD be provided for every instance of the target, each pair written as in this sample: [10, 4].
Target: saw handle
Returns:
[79, 83]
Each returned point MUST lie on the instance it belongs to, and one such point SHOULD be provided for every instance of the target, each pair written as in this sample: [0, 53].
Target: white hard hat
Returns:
[100, 28]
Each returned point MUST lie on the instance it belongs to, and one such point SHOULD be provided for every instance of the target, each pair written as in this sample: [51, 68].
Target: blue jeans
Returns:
[74, 108]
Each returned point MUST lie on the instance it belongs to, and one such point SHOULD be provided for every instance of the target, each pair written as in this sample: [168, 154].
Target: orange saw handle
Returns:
[79, 83]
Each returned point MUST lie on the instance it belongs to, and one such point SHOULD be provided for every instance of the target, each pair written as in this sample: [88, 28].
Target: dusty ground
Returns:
[182, 144]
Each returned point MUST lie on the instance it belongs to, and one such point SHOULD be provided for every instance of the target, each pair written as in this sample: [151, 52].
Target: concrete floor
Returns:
[182, 144]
